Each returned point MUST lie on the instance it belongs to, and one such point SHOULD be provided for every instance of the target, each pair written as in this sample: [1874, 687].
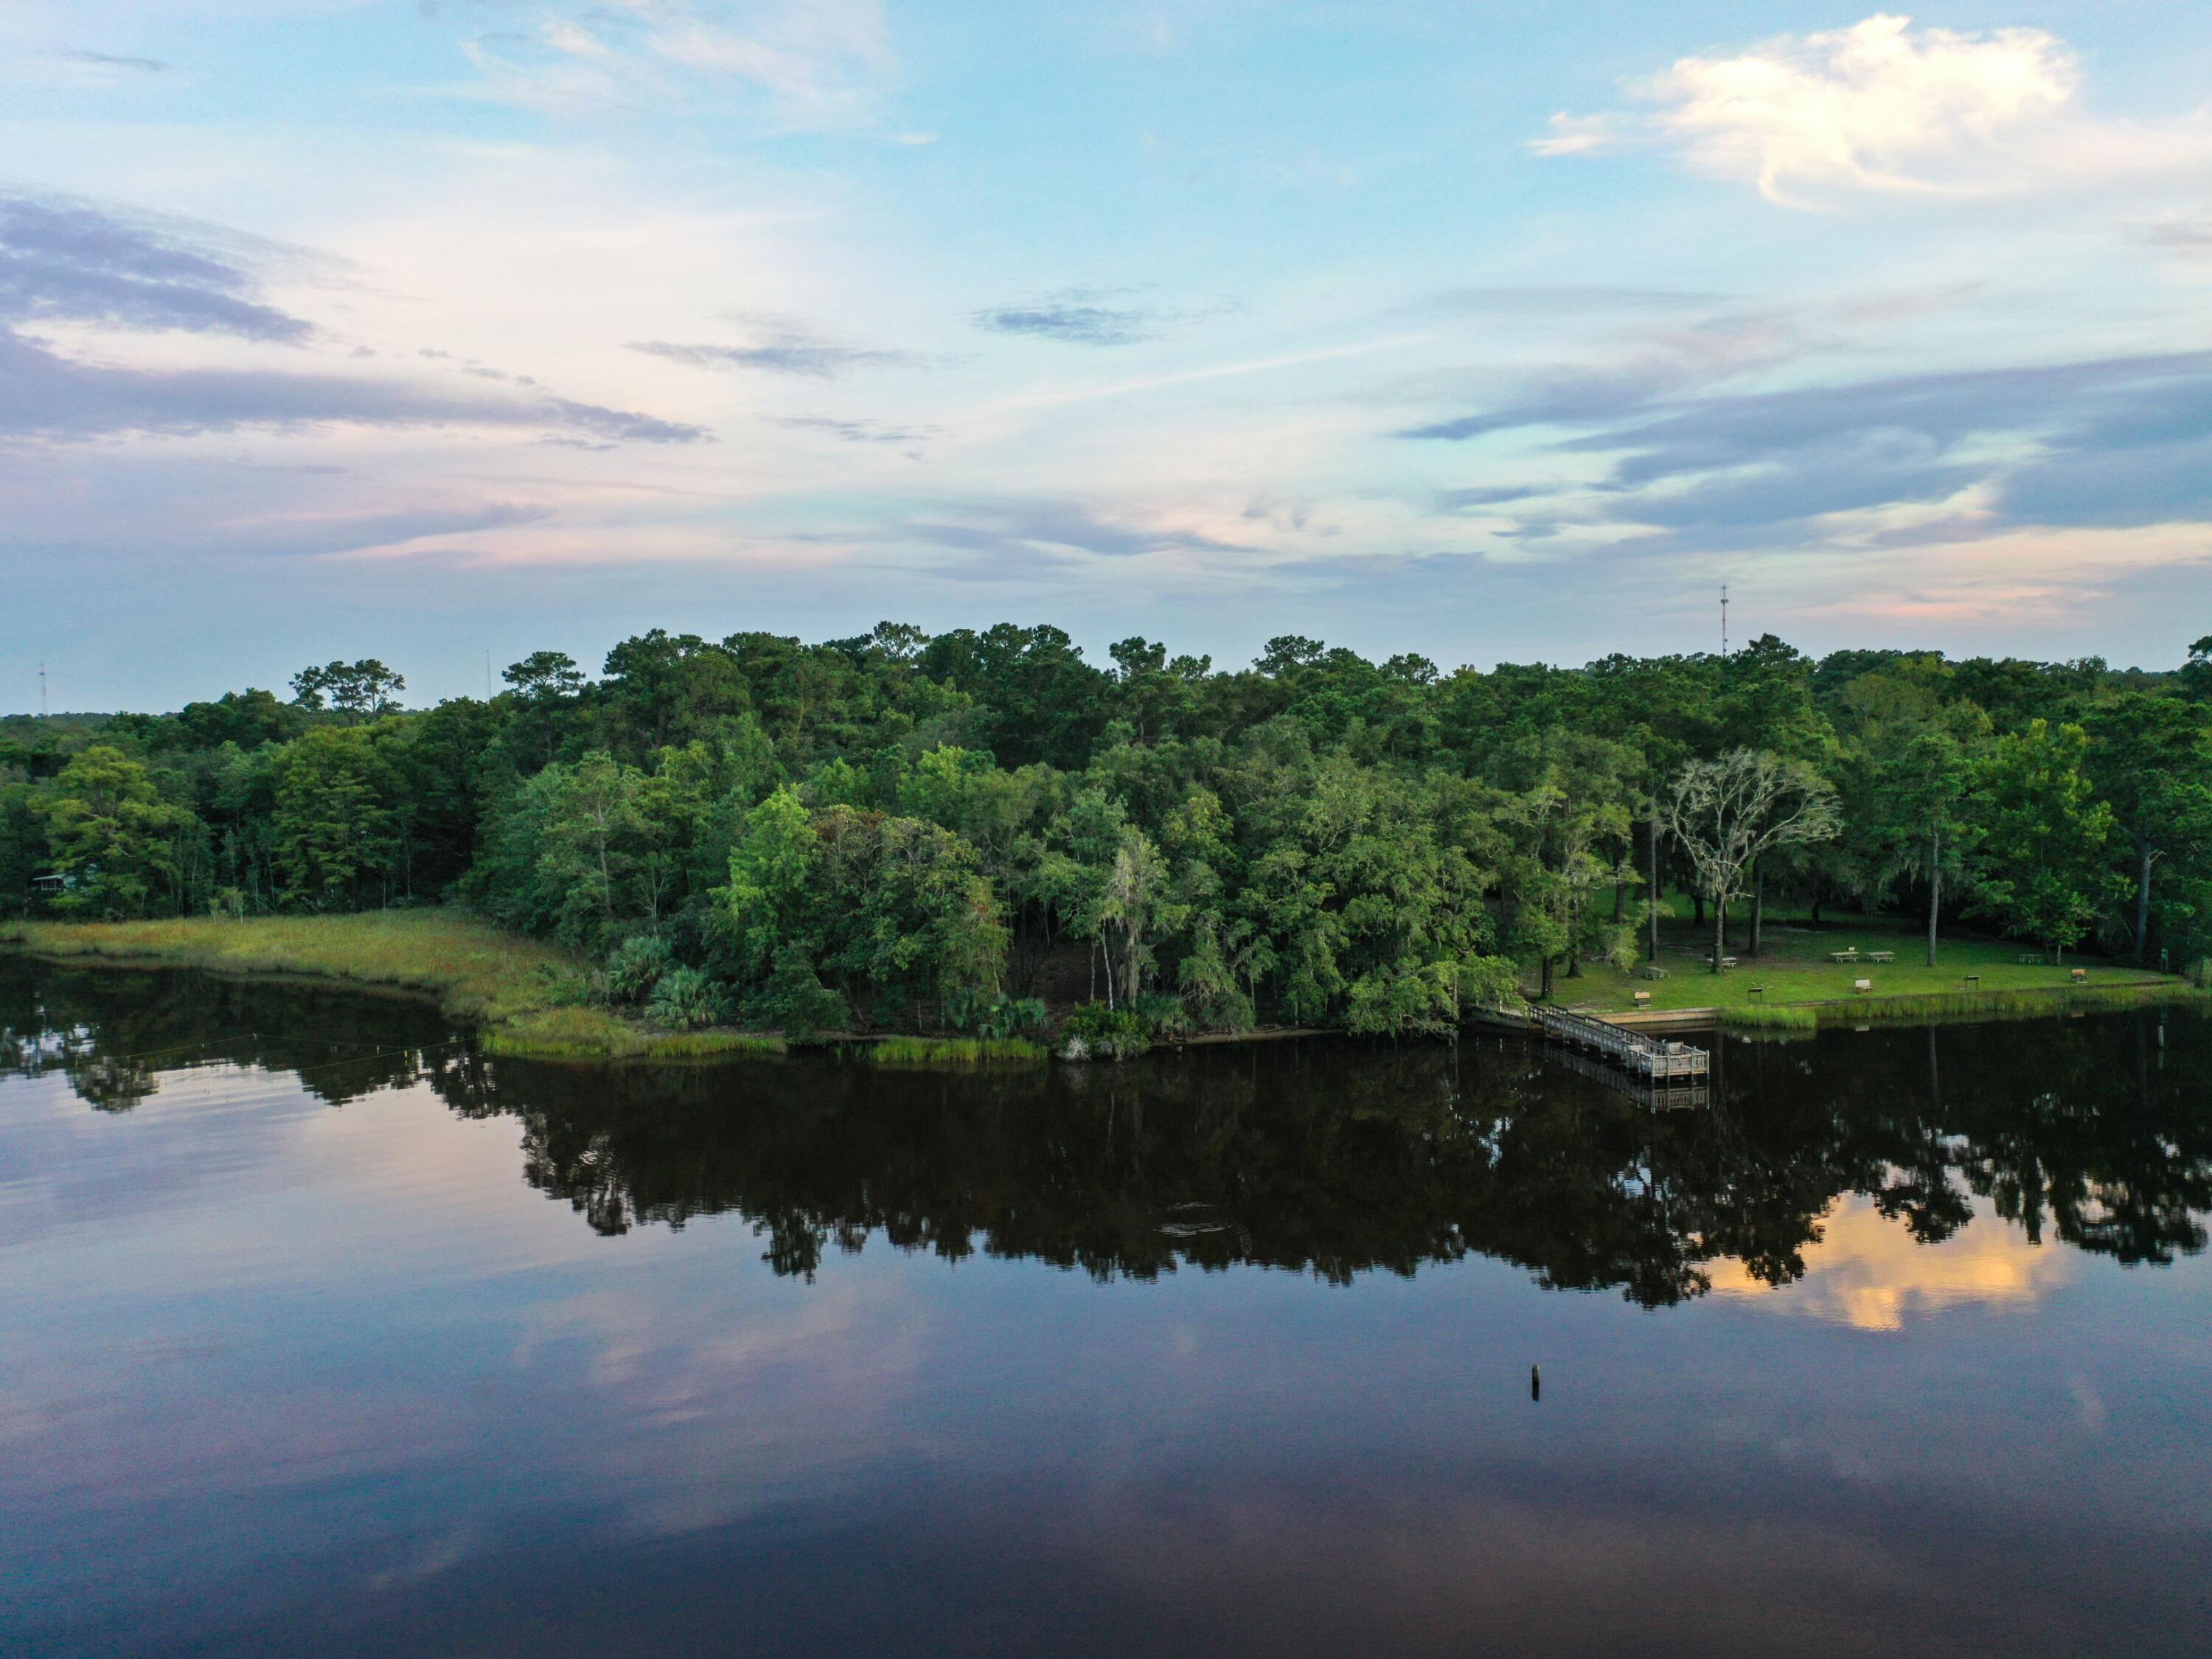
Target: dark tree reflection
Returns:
[1324, 1157]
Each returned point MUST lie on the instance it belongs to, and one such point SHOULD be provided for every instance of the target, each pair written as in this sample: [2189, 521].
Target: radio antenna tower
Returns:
[42, 690]
[1723, 619]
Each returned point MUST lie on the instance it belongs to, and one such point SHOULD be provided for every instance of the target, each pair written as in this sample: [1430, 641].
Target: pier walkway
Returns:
[1664, 1062]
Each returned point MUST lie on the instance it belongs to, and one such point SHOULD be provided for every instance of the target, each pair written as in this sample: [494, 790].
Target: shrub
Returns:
[684, 1000]
[796, 1001]
[1163, 1016]
[1094, 1031]
[567, 987]
[967, 1009]
[2200, 973]
[637, 966]
[962, 1007]
[1012, 1016]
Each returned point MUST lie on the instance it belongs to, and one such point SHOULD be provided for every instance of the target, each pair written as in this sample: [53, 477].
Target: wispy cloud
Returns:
[115, 61]
[1631, 378]
[2118, 443]
[44, 394]
[1559, 299]
[779, 345]
[1016, 537]
[1082, 316]
[66, 260]
[860, 432]
[817, 64]
[1883, 107]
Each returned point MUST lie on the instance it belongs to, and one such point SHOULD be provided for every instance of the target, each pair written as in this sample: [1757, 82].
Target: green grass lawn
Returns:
[1794, 968]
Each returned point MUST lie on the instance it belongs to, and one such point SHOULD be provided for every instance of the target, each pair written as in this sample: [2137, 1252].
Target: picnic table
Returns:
[1726, 961]
[1851, 955]
[1881, 956]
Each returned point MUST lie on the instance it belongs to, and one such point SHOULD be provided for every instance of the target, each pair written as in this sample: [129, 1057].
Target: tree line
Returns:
[903, 829]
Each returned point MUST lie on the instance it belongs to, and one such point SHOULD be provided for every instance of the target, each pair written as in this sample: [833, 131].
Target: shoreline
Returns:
[502, 986]
[507, 988]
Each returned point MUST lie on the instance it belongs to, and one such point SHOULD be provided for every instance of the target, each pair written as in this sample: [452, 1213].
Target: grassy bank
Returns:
[1793, 985]
[595, 1034]
[954, 1051]
[478, 974]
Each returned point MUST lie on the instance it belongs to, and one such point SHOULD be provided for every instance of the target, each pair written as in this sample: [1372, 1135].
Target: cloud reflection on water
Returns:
[1869, 1273]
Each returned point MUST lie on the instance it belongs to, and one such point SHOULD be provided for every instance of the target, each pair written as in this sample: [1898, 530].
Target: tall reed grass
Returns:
[2039, 1004]
[1759, 1016]
[954, 1051]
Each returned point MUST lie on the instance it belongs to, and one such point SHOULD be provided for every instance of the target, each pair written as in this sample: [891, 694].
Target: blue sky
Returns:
[426, 328]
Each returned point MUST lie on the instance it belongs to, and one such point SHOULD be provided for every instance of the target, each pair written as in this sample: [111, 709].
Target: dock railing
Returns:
[1632, 1051]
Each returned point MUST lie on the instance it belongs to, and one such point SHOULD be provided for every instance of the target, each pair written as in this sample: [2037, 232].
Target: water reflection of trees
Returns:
[1337, 1159]
[1324, 1157]
[114, 1033]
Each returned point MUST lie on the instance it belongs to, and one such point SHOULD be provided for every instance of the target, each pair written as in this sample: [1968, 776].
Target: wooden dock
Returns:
[1664, 1062]
[1658, 1094]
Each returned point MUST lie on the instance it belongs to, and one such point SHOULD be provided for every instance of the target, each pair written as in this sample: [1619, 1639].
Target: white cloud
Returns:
[1884, 107]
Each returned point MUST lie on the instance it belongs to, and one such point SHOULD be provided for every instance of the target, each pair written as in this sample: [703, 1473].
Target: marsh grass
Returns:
[1759, 1016]
[592, 1034]
[2005, 1005]
[513, 988]
[2051, 1003]
[478, 971]
[954, 1051]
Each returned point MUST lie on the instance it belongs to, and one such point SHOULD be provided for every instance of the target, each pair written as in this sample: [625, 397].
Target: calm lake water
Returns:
[320, 1334]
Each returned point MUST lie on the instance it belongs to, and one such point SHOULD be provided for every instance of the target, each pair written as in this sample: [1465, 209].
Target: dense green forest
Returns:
[904, 831]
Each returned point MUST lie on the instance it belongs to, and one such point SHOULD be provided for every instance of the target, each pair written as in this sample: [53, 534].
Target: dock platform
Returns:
[1664, 1062]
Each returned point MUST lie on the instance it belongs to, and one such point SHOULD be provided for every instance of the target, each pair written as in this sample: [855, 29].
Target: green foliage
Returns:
[636, 967]
[795, 1000]
[121, 849]
[1094, 1032]
[965, 1008]
[685, 998]
[914, 832]
[356, 690]
[336, 821]
[2045, 851]
[1163, 1017]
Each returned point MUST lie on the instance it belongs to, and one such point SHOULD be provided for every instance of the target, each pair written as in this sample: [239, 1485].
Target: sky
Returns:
[445, 331]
